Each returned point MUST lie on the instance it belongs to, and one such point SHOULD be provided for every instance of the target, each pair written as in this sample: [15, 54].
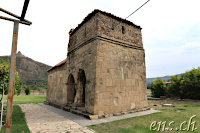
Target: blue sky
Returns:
[171, 30]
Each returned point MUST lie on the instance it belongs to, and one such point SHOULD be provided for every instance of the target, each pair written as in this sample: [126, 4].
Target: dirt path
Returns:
[42, 120]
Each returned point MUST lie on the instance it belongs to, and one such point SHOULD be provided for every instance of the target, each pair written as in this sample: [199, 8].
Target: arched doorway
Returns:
[71, 91]
[82, 83]
[80, 95]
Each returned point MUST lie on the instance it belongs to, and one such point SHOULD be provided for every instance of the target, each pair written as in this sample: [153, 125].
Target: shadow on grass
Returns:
[18, 121]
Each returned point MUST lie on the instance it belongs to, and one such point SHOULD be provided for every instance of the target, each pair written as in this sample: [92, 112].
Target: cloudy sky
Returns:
[171, 30]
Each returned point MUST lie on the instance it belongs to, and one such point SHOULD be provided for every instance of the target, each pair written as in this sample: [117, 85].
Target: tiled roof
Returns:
[57, 65]
[167, 82]
[105, 13]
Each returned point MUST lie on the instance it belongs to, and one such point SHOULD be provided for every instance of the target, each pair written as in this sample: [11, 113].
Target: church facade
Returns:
[105, 69]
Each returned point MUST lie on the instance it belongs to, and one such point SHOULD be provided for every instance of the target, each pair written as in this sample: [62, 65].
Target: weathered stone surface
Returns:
[167, 105]
[93, 117]
[117, 114]
[105, 69]
[56, 92]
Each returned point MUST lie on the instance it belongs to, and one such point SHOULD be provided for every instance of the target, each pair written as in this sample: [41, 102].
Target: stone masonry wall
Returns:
[120, 79]
[85, 32]
[113, 28]
[84, 58]
[120, 71]
[111, 54]
[56, 87]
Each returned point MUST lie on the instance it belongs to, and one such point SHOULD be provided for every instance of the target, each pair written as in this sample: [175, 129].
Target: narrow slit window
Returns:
[112, 26]
[123, 29]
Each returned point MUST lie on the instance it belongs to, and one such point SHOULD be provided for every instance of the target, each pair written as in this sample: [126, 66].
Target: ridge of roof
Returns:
[72, 31]
[57, 65]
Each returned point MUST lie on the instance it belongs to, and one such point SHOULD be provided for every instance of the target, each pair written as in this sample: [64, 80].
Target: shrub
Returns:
[173, 89]
[27, 90]
[190, 84]
[157, 87]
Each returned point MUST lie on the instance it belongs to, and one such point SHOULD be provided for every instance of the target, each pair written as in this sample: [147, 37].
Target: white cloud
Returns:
[171, 29]
[173, 59]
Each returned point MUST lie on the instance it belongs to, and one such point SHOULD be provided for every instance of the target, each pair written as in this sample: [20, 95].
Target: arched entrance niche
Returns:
[82, 82]
[81, 88]
[71, 91]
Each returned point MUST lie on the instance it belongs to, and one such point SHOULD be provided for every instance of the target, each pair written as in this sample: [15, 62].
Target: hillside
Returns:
[30, 71]
[166, 78]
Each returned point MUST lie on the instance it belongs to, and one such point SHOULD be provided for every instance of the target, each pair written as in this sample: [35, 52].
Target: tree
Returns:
[35, 87]
[190, 84]
[186, 86]
[4, 77]
[26, 89]
[173, 89]
[157, 87]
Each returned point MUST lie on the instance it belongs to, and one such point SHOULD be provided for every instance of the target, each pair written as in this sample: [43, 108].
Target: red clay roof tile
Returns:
[57, 65]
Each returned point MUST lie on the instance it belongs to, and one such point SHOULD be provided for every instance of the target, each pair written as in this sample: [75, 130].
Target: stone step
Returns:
[86, 115]
[81, 109]
[69, 105]
[78, 112]
[66, 109]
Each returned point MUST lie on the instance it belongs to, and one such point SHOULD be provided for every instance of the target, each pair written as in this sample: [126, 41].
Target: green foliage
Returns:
[35, 87]
[4, 77]
[173, 89]
[26, 89]
[186, 86]
[157, 87]
[19, 124]
[190, 84]
[17, 83]
[38, 83]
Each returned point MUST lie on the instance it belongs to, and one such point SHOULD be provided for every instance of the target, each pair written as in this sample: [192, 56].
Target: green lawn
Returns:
[19, 124]
[22, 99]
[180, 112]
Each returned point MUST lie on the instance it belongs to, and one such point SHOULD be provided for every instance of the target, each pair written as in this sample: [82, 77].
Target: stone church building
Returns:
[104, 72]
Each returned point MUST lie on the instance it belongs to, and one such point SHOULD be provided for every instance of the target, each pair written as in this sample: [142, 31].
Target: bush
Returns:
[35, 87]
[173, 89]
[190, 84]
[27, 90]
[186, 86]
[157, 87]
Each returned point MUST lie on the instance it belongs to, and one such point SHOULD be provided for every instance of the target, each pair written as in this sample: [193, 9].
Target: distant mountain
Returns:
[166, 78]
[30, 71]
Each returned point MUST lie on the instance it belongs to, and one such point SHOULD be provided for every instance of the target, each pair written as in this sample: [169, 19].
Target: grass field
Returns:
[180, 111]
[19, 124]
[22, 99]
